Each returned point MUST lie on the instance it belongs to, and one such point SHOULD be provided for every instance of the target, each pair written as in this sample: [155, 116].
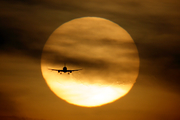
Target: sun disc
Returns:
[106, 53]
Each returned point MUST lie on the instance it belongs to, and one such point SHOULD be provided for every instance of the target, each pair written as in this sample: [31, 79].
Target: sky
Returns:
[25, 27]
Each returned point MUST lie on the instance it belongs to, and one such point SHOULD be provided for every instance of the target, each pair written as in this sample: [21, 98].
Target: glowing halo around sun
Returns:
[106, 53]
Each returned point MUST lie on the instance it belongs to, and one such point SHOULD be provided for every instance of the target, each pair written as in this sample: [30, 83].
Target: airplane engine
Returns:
[58, 71]
[70, 71]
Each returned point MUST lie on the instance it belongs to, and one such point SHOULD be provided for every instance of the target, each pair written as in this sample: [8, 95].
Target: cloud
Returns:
[27, 22]
[17, 118]
[153, 25]
[26, 25]
[8, 106]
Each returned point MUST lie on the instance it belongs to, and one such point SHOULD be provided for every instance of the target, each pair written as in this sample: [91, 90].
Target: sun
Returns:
[106, 53]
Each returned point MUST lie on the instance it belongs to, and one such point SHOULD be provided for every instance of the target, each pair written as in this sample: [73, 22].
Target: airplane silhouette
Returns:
[64, 70]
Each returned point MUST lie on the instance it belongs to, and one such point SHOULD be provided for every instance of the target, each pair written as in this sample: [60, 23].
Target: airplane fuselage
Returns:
[64, 69]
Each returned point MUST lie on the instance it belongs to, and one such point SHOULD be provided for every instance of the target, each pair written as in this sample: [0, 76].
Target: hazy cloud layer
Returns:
[154, 26]
[8, 106]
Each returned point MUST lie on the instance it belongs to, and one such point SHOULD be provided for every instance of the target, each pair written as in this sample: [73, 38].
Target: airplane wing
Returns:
[73, 70]
[56, 70]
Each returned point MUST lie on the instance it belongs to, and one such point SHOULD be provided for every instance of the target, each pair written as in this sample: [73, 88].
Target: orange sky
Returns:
[153, 25]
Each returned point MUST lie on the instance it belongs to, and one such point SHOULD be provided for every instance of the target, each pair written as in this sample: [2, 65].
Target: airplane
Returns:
[64, 70]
